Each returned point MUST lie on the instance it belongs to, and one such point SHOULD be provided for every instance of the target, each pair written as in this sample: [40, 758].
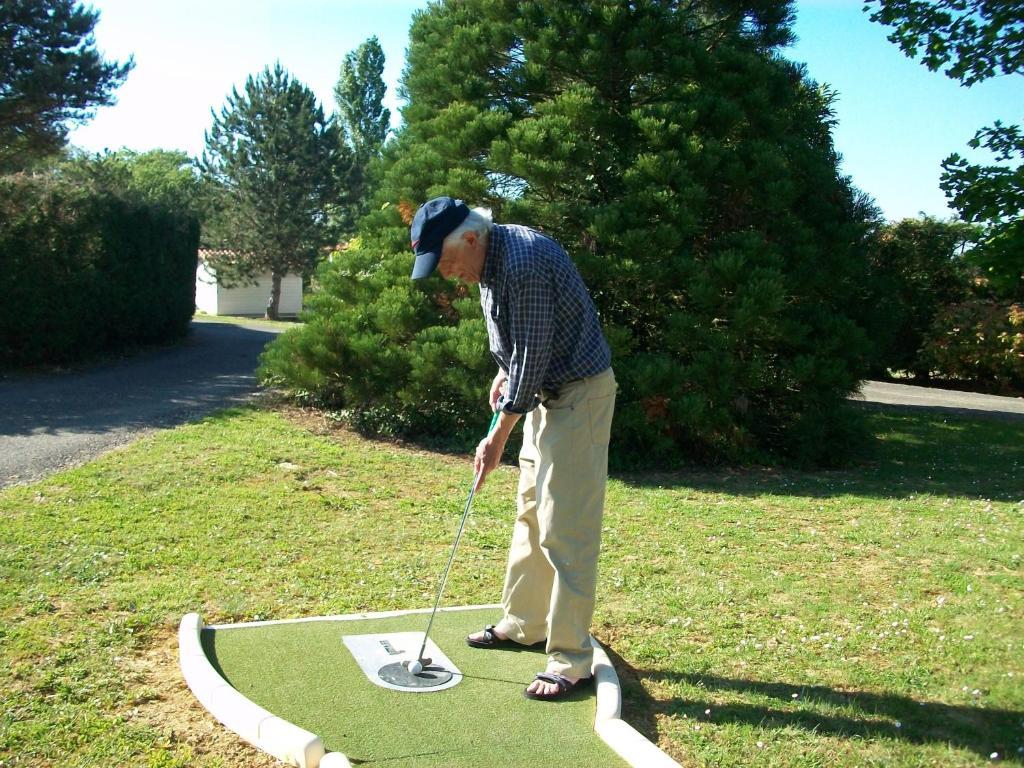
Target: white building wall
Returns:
[291, 295]
[214, 299]
[206, 290]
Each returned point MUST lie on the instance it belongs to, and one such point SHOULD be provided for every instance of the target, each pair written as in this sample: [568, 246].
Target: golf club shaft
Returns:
[455, 547]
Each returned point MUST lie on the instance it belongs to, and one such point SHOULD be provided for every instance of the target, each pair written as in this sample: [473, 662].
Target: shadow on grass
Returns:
[915, 453]
[842, 714]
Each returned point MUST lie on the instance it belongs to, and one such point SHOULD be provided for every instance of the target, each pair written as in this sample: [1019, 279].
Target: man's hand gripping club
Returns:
[490, 449]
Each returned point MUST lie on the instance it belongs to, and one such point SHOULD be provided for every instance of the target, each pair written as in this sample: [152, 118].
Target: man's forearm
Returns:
[506, 422]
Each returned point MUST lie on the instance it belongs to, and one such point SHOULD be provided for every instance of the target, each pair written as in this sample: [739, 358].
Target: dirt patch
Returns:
[310, 419]
[166, 705]
[321, 424]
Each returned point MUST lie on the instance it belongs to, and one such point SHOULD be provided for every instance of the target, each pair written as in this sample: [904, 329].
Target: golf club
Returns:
[420, 661]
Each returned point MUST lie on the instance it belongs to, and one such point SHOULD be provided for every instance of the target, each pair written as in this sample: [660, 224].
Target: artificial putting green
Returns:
[303, 673]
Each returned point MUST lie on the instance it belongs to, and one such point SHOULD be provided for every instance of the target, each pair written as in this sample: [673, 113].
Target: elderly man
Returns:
[554, 372]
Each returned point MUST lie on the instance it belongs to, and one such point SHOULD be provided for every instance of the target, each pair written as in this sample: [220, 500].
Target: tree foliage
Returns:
[993, 195]
[916, 269]
[276, 160]
[50, 75]
[166, 178]
[360, 94]
[689, 171]
[977, 39]
[364, 120]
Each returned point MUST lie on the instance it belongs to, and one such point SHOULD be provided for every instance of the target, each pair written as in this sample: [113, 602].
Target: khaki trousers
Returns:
[551, 581]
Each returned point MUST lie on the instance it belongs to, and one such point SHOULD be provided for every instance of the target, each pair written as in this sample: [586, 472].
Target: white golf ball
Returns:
[415, 667]
[334, 760]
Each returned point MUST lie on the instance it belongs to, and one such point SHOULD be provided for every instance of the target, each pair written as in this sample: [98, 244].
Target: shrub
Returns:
[981, 342]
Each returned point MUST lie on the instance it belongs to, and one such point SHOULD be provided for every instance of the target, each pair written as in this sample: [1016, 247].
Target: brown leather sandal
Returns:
[491, 640]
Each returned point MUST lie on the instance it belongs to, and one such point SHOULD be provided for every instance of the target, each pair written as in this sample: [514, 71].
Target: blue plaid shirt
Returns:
[541, 323]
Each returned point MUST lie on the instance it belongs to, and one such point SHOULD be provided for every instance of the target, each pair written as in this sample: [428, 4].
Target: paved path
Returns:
[969, 403]
[54, 421]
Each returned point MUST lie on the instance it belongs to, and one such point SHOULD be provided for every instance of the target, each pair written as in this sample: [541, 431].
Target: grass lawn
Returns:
[773, 618]
[258, 322]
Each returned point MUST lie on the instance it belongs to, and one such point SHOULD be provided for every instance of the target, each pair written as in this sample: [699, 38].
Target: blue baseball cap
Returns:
[434, 221]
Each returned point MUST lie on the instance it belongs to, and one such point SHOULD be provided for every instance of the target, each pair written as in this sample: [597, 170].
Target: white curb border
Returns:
[265, 731]
[631, 745]
[297, 747]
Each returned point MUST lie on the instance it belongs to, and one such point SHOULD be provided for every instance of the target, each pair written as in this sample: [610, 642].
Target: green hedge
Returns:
[87, 272]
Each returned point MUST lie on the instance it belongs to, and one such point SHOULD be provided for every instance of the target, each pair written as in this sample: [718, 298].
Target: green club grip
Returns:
[494, 420]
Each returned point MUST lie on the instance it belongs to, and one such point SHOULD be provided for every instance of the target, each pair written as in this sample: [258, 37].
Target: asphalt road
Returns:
[942, 400]
[50, 422]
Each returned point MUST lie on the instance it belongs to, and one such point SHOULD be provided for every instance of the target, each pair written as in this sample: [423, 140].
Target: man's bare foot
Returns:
[552, 686]
[541, 688]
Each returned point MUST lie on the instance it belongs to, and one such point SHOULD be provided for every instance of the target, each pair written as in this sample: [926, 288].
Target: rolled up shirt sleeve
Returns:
[531, 325]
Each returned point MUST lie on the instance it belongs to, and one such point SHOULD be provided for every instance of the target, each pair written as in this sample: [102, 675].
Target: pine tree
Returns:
[50, 75]
[276, 159]
[689, 171]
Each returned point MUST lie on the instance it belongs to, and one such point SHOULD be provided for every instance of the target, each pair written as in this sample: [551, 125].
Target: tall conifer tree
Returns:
[363, 119]
[276, 159]
[690, 172]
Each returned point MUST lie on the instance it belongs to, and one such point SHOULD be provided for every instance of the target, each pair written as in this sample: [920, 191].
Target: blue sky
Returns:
[897, 120]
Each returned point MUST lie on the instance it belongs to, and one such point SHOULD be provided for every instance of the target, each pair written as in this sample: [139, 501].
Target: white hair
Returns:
[478, 221]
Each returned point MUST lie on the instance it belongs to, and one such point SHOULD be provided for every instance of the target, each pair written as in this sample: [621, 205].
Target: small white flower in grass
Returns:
[994, 756]
[968, 637]
[707, 711]
[975, 692]
[760, 745]
[899, 724]
[795, 696]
